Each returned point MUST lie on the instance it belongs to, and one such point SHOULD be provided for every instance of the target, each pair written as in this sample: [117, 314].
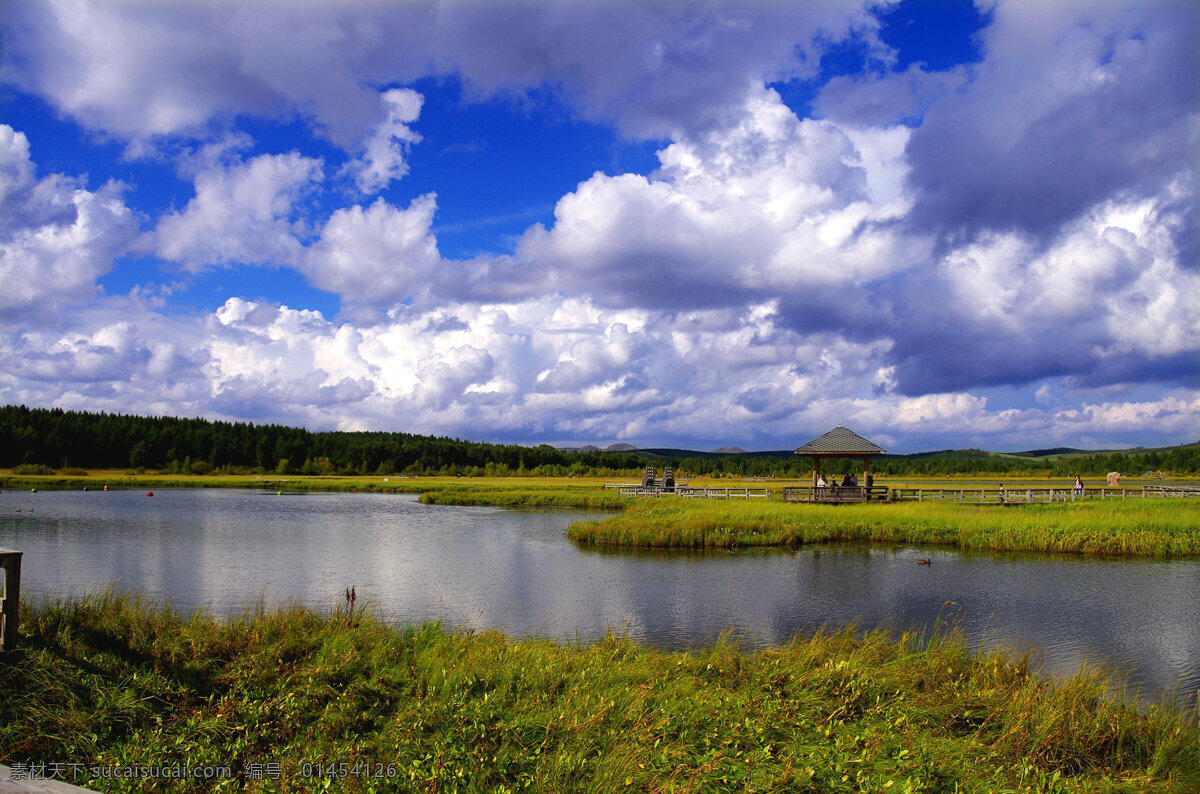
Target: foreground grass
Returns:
[110, 680]
[1127, 527]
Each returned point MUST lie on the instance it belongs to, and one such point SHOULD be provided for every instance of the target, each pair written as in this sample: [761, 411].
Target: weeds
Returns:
[114, 680]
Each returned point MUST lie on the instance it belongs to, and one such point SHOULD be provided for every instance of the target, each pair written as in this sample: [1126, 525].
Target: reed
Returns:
[110, 679]
[518, 495]
[1165, 528]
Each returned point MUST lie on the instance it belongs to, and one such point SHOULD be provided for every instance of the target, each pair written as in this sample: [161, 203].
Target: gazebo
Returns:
[840, 442]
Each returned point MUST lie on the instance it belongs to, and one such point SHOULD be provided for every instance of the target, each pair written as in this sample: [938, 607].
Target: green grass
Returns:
[109, 680]
[1127, 527]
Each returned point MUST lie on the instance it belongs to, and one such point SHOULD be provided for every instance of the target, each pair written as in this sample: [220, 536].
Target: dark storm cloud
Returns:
[1096, 105]
[1180, 369]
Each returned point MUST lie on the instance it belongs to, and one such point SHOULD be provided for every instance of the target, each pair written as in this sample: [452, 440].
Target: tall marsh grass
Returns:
[1163, 527]
[113, 680]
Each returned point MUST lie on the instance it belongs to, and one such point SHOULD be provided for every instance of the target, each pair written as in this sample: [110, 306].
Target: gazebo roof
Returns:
[840, 441]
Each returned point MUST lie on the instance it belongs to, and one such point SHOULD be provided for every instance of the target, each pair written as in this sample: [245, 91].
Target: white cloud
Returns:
[768, 204]
[240, 214]
[16, 169]
[1177, 413]
[543, 368]
[56, 237]
[387, 147]
[376, 257]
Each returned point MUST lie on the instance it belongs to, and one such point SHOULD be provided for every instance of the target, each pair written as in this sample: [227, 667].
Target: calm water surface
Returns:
[517, 572]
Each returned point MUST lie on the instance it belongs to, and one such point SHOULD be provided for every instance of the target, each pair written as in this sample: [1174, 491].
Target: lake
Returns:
[516, 572]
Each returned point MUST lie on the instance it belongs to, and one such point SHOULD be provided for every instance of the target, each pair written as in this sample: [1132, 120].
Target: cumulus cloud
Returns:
[1108, 302]
[768, 203]
[541, 369]
[56, 237]
[376, 257]
[240, 214]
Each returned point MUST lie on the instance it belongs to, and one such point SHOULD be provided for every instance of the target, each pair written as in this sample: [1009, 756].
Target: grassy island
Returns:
[111, 681]
[1165, 527]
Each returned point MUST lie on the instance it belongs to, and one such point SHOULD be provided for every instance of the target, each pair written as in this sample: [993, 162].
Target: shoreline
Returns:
[1167, 528]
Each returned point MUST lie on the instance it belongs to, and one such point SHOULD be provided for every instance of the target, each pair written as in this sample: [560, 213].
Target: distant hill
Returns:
[620, 447]
[729, 451]
[584, 448]
[947, 454]
[1071, 451]
[1044, 453]
[670, 452]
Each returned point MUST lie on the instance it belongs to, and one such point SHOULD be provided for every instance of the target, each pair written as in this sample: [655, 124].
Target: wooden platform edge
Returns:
[34, 785]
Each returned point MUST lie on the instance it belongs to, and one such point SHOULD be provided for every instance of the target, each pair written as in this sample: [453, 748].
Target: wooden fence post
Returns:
[10, 598]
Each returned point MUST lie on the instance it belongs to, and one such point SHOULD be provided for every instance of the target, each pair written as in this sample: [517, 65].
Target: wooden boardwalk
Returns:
[878, 494]
[685, 492]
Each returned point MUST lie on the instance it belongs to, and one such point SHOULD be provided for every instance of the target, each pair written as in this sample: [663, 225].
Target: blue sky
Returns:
[943, 224]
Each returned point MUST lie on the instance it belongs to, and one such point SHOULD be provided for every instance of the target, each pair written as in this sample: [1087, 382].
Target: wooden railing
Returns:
[836, 493]
[1037, 495]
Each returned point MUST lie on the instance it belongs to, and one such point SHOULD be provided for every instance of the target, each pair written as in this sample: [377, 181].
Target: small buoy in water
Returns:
[33, 490]
[85, 487]
[149, 493]
[106, 487]
[279, 493]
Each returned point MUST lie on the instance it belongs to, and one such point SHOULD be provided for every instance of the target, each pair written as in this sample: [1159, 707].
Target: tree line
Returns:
[56, 439]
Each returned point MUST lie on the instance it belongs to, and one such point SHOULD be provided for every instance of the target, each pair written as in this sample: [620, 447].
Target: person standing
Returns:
[1077, 490]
